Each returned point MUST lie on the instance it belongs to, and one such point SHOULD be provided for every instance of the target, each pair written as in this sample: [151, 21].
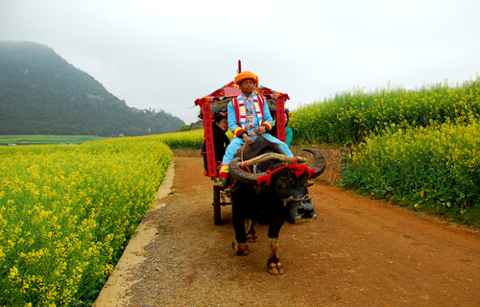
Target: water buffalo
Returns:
[270, 188]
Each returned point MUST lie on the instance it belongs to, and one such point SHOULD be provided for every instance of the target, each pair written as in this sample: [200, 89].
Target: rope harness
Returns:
[291, 199]
[243, 148]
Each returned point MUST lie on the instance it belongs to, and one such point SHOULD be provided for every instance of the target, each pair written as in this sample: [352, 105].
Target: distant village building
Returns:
[121, 135]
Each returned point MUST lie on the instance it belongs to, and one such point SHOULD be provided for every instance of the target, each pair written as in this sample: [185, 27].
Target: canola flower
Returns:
[177, 140]
[67, 212]
[349, 117]
[434, 168]
[181, 140]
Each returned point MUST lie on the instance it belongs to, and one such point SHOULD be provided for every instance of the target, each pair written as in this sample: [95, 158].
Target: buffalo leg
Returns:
[240, 243]
[274, 266]
[251, 235]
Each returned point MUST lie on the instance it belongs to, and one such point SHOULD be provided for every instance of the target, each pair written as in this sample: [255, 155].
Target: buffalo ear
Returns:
[310, 183]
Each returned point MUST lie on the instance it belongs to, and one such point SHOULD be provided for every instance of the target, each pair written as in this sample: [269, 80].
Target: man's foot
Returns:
[221, 184]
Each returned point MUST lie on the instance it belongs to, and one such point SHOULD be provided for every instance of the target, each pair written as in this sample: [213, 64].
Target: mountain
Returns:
[41, 93]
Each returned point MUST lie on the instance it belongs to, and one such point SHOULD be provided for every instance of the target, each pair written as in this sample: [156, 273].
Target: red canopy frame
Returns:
[218, 101]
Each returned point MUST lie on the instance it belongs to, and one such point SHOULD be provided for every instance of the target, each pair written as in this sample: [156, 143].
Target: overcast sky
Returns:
[166, 54]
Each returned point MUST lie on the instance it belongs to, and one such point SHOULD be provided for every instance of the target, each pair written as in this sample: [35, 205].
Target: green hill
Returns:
[41, 93]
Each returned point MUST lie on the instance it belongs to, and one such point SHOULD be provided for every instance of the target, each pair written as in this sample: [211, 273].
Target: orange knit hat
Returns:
[244, 75]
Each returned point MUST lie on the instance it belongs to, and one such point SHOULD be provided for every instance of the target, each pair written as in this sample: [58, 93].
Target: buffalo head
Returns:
[282, 181]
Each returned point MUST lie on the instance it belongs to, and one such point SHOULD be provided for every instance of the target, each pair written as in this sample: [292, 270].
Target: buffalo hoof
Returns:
[252, 238]
[240, 248]
[275, 268]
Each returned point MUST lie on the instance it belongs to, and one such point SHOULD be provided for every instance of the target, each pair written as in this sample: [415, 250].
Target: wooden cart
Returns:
[216, 102]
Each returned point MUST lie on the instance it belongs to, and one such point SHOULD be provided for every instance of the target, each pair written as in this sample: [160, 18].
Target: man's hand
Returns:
[261, 130]
[246, 138]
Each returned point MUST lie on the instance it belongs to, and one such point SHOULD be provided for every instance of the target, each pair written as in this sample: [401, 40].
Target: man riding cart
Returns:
[248, 105]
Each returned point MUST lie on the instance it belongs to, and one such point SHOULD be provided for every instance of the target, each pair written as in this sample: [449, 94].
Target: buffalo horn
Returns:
[272, 155]
[250, 178]
[319, 164]
[241, 175]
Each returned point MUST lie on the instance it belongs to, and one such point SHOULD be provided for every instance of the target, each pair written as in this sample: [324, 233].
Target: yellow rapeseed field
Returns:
[66, 213]
[434, 168]
[349, 117]
[177, 140]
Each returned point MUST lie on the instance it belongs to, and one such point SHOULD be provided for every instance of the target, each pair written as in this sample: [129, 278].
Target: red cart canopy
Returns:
[218, 101]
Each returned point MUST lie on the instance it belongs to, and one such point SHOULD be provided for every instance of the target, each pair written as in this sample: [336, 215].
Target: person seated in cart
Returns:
[220, 139]
[288, 130]
[248, 117]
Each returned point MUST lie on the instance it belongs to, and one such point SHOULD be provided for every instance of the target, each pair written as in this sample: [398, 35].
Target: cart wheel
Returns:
[217, 216]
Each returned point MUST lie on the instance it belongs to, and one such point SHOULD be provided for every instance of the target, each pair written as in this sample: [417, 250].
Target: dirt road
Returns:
[359, 252]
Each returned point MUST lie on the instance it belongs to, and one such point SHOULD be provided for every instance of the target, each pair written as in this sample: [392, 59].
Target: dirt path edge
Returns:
[113, 292]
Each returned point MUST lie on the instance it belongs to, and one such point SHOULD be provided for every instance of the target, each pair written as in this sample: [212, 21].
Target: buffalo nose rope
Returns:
[301, 200]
